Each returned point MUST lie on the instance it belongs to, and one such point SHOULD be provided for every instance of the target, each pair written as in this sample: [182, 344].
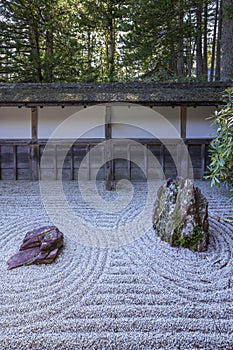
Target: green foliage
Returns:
[221, 147]
[38, 39]
[109, 40]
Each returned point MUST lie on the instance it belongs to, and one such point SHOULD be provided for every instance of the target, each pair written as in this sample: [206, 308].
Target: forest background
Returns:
[125, 40]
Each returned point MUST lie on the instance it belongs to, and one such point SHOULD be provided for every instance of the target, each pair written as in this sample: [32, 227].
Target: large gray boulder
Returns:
[181, 215]
[40, 246]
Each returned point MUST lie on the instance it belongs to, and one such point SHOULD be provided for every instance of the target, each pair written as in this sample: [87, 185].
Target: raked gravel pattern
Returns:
[142, 295]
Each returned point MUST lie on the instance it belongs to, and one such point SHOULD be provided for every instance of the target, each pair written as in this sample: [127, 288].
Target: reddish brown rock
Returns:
[40, 246]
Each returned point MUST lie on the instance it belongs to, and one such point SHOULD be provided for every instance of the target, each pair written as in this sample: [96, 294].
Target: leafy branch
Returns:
[220, 169]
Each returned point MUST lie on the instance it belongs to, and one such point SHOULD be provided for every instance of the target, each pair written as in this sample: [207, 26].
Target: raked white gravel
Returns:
[140, 295]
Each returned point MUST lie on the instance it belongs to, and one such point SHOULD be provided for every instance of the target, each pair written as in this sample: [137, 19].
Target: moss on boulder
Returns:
[181, 215]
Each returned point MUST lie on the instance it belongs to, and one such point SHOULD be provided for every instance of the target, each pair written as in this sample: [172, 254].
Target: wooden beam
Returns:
[183, 122]
[108, 154]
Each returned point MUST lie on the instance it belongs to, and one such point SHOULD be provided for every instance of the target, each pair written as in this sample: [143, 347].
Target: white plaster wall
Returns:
[15, 123]
[172, 114]
[197, 124]
[142, 122]
[71, 122]
[129, 122]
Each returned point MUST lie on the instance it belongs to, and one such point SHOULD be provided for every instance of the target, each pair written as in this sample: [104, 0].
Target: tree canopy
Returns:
[110, 40]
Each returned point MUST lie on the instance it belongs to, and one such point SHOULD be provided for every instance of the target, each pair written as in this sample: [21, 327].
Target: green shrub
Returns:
[220, 169]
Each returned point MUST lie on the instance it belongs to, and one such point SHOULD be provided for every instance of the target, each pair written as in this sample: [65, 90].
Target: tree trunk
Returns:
[205, 42]
[89, 54]
[189, 50]
[35, 54]
[180, 56]
[111, 49]
[172, 61]
[219, 39]
[213, 53]
[227, 42]
[49, 56]
[199, 57]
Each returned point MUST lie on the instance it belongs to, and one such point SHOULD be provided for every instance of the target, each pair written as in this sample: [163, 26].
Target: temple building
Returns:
[166, 118]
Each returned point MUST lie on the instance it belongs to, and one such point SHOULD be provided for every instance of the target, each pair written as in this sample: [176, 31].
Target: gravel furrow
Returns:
[141, 295]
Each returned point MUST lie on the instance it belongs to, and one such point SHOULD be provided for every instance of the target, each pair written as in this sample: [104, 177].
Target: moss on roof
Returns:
[169, 94]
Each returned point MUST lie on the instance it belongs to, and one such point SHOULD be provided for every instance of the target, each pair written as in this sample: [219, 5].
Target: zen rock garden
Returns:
[181, 215]
[180, 218]
[40, 246]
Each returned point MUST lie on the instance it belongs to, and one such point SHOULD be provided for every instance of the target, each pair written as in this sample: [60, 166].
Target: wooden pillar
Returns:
[108, 149]
[34, 124]
[0, 162]
[15, 163]
[203, 160]
[34, 147]
[72, 162]
[128, 161]
[34, 161]
[55, 169]
[183, 159]
[162, 157]
[183, 121]
[88, 149]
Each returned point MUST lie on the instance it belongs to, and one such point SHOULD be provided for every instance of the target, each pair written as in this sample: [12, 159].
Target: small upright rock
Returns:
[181, 215]
[40, 246]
